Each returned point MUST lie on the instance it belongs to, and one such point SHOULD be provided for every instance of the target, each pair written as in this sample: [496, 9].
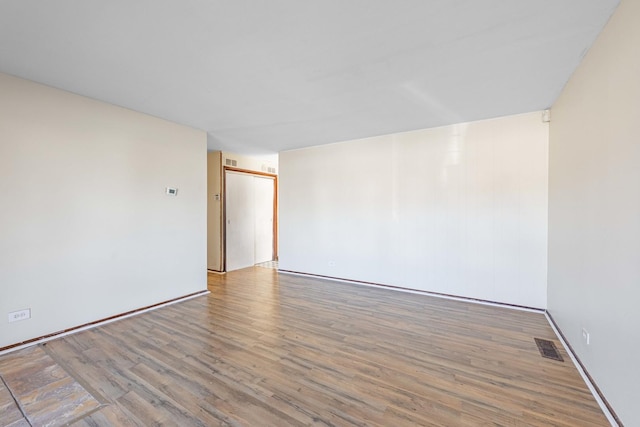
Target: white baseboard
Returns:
[419, 292]
[583, 374]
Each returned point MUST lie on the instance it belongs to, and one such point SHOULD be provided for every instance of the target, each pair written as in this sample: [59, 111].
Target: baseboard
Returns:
[593, 387]
[595, 391]
[419, 292]
[90, 325]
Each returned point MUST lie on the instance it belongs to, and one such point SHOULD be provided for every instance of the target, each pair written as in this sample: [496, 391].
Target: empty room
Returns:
[286, 213]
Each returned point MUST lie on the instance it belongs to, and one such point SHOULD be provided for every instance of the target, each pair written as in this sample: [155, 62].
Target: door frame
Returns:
[224, 209]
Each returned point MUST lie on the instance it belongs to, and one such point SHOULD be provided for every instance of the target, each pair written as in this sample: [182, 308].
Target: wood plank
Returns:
[273, 350]
[10, 413]
[107, 416]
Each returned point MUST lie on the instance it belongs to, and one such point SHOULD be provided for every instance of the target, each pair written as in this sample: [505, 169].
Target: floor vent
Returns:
[548, 349]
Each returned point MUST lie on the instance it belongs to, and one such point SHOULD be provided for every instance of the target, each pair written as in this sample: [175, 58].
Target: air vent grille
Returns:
[231, 162]
[548, 349]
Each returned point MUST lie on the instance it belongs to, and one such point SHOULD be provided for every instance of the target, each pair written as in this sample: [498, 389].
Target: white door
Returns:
[240, 221]
[263, 198]
[249, 219]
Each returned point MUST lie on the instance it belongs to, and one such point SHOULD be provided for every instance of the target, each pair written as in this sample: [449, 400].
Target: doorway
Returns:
[250, 218]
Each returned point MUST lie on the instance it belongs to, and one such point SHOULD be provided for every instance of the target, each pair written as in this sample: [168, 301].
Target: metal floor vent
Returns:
[548, 349]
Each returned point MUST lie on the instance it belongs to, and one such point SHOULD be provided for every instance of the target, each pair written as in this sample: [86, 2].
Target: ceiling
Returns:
[265, 76]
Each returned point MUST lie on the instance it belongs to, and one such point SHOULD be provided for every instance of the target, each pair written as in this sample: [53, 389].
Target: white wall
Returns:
[459, 210]
[87, 231]
[594, 211]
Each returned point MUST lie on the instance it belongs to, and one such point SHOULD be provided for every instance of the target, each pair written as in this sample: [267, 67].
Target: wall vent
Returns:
[272, 170]
[230, 162]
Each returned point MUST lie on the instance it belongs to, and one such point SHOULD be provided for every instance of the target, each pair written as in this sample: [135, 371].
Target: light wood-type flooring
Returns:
[269, 349]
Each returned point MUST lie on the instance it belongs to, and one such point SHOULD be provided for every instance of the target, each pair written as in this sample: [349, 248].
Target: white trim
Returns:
[419, 292]
[583, 374]
[101, 323]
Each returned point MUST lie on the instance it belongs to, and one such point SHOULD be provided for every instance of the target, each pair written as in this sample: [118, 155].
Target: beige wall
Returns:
[87, 230]
[594, 211]
[459, 210]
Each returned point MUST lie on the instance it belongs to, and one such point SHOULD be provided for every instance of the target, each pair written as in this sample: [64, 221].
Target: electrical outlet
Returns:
[16, 316]
[586, 337]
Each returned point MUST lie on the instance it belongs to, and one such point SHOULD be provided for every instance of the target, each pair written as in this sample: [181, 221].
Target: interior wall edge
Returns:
[606, 407]
[458, 210]
[418, 292]
[73, 330]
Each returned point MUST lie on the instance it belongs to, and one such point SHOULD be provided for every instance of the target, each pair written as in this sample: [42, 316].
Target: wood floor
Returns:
[264, 349]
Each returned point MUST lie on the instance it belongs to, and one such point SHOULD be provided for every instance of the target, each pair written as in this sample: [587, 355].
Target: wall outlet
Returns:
[20, 315]
[586, 337]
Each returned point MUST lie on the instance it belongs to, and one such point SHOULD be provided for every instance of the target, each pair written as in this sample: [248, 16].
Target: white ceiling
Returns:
[265, 76]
